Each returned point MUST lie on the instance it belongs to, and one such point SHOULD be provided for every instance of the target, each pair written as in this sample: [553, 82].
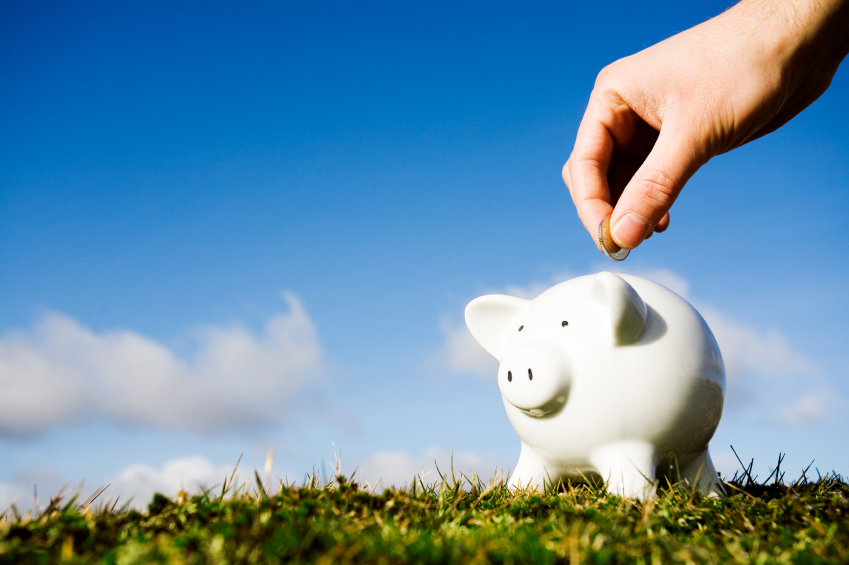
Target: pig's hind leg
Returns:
[532, 470]
[627, 467]
[699, 471]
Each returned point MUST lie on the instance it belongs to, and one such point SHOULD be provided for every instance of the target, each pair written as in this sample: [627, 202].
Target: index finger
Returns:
[585, 173]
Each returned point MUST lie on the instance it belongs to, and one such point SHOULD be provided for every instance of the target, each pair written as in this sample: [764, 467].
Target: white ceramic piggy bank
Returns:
[606, 374]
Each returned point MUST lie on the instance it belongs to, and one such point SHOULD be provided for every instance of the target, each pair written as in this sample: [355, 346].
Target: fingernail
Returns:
[630, 230]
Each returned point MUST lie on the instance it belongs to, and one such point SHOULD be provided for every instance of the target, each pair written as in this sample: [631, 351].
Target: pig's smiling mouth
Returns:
[545, 409]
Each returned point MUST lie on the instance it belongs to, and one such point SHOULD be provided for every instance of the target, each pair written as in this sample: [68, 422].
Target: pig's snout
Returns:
[535, 379]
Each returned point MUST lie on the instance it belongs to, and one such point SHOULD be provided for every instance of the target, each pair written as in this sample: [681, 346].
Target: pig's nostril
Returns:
[530, 375]
[509, 376]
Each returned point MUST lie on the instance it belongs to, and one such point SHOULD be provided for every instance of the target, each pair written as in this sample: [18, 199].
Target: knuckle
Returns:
[659, 189]
[582, 197]
[605, 75]
[591, 162]
[602, 76]
[612, 76]
[567, 179]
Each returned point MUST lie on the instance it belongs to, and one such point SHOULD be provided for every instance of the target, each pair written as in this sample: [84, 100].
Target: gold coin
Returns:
[605, 241]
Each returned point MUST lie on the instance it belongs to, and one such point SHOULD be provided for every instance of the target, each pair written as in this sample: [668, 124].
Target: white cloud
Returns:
[748, 350]
[462, 354]
[140, 481]
[764, 369]
[135, 484]
[670, 280]
[61, 372]
[808, 409]
[397, 468]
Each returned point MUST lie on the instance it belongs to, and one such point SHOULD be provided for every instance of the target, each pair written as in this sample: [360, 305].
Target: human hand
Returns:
[657, 116]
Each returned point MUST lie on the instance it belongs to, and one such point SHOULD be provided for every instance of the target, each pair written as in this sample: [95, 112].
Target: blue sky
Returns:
[169, 170]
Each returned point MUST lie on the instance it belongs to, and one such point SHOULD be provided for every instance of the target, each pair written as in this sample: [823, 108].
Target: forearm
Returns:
[815, 30]
[784, 54]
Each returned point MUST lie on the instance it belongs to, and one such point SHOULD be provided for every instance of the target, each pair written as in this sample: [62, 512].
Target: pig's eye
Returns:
[565, 323]
[521, 328]
[530, 375]
[509, 376]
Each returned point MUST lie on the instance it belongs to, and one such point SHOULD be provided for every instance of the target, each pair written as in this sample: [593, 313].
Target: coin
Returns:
[605, 241]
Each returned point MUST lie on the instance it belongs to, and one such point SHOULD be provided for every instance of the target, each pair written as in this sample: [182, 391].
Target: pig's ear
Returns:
[627, 310]
[489, 317]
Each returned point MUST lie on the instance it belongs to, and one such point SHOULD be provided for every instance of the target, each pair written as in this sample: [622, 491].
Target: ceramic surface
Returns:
[606, 374]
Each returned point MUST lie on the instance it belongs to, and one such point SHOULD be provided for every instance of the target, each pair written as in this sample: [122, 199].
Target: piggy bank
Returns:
[606, 375]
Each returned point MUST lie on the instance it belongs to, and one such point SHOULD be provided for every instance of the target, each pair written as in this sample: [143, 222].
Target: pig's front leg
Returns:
[628, 467]
[532, 471]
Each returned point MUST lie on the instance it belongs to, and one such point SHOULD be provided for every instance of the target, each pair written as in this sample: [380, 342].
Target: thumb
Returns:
[650, 193]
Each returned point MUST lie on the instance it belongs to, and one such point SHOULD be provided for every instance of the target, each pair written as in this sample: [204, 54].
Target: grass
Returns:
[463, 520]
